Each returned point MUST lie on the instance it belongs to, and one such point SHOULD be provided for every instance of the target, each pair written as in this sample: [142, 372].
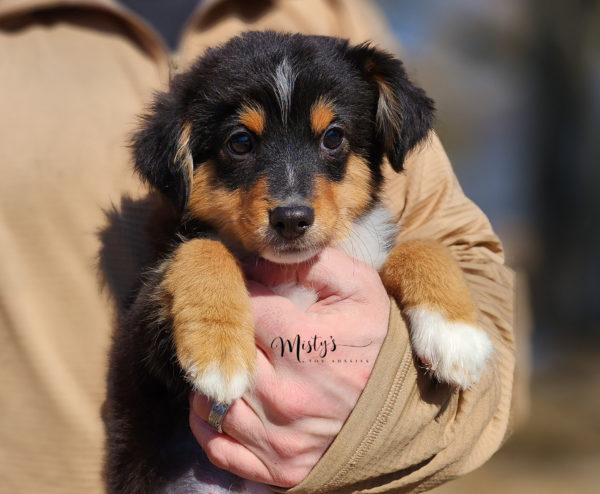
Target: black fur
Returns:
[411, 111]
[208, 96]
[149, 445]
[155, 149]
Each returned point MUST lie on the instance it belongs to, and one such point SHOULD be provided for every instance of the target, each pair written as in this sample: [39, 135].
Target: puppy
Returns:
[269, 146]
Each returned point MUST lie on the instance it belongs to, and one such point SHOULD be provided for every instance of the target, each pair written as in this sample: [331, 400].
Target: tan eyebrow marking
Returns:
[321, 115]
[253, 118]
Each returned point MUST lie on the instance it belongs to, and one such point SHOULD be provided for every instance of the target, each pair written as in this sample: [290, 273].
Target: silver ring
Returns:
[217, 414]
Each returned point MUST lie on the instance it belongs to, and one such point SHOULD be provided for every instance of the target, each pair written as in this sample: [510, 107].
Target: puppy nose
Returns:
[291, 222]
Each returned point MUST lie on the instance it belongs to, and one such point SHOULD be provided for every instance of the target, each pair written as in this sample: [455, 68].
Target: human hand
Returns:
[278, 430]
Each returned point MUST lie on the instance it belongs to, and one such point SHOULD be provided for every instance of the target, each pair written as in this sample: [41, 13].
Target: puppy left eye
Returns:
[240, 143]
[332, 138]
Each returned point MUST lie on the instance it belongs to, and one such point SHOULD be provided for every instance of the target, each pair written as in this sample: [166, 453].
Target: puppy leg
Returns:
[429, 285]
[205, 295]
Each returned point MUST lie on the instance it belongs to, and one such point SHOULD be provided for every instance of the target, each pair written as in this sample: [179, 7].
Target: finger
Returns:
[201, 405]
[227, 453]
[240, 422]
[237, 419]
[243, 414]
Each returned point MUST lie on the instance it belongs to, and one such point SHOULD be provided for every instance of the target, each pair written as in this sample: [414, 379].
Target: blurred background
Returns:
[517, 86]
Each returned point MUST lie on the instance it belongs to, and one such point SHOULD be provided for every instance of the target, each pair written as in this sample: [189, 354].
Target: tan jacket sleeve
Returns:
[407, 433]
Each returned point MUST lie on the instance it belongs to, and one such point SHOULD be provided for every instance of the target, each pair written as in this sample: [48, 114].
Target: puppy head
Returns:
[276, 141]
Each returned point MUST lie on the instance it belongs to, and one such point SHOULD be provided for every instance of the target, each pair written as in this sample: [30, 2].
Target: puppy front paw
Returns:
[204, 293]
[455, 352]
[220, 366]
[215, 382]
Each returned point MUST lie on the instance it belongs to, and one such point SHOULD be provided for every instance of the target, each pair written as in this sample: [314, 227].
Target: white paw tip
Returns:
[456, 352]
[216, 385]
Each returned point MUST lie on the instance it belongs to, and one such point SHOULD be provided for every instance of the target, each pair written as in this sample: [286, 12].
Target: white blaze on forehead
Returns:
[283, 84]
[290, 172]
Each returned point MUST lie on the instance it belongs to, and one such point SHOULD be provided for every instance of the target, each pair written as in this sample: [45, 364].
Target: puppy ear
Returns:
[404, 114]
[162, 151]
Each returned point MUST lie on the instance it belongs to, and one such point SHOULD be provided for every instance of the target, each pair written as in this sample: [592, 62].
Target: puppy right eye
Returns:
[240, 143]
[332, 139]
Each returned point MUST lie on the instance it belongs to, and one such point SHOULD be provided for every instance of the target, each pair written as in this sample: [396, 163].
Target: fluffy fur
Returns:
[270, 145]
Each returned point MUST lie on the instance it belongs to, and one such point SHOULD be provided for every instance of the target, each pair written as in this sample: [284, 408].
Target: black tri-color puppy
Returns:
[269, 146]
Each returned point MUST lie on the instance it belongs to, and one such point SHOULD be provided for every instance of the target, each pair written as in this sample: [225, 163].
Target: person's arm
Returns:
[406, 431]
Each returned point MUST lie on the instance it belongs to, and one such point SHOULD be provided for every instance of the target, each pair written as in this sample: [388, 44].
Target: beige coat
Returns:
[73, 76]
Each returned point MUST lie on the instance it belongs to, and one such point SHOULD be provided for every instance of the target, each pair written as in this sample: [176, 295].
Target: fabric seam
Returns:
[382, 418]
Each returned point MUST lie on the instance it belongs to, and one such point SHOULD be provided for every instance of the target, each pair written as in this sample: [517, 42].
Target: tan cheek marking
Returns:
[327, 217]
[336, 205]
[321, 115]
[255, 204]
[253, 118]
[353, 193]
[239, 215]
[211, 203]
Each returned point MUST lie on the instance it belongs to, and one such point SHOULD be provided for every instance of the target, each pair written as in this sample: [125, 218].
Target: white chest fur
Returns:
[371, 238]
